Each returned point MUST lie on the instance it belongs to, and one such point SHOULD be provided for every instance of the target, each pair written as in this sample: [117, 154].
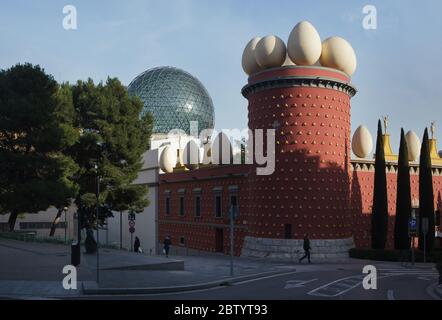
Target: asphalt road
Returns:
[394, 283]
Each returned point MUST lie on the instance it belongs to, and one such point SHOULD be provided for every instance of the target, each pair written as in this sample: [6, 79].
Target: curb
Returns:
[92, 289]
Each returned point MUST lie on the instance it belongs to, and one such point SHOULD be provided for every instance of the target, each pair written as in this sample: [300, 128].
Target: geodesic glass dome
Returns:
[174, 97]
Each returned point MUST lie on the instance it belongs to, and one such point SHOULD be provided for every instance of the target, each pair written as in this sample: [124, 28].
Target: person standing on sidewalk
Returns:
[306, 249]
[137, 245]
[167, 243]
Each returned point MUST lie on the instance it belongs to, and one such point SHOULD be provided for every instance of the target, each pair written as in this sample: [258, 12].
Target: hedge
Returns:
[394, 255]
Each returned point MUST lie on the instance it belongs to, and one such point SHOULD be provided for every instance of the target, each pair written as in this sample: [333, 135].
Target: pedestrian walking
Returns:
[167, 243]
[306, 249]
[137, 245]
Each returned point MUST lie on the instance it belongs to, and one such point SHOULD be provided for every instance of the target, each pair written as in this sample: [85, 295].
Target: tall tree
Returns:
[113, 140]
[403, 198]
[35, 128]
[426, 194]
[379, 217]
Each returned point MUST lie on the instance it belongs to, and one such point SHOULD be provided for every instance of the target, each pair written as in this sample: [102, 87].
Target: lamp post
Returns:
[65, 209]
[98, 225]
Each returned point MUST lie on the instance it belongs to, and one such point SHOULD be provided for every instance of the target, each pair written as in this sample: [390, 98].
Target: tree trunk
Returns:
[12, 219]
[55, 222]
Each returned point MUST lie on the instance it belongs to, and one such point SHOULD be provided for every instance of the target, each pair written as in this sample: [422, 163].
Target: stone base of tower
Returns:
[281, 249]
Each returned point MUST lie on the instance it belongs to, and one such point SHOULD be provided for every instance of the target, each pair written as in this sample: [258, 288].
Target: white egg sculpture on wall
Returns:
[191, 156]
[270, 52]
[249, 64]
[168, 159]
[413, 145]
[221, 151]
[337, 53]
[304, 46]
[362, 142]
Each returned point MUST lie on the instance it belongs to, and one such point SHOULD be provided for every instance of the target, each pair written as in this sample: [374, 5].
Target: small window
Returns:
[218, 212]
[167, 206]
[182, 241]
[233, 201]
[197, 206]
[181, 206]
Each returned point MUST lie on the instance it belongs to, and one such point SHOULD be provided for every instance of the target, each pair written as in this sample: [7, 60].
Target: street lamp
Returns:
[65, 209]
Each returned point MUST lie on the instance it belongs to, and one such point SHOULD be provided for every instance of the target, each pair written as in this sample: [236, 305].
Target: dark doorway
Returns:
[288, 231]
[219, 240]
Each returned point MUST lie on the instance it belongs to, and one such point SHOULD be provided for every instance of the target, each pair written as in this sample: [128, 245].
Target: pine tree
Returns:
[35, 128]
[426, 194]
[403, 198]
[114, 138]
[379, 218]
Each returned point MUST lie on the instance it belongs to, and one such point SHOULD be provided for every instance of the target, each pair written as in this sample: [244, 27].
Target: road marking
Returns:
[297, 283]
[390, 295]
[264, 278]
[334, 287]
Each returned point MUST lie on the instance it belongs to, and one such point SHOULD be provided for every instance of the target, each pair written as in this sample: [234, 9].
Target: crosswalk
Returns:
[396, 271]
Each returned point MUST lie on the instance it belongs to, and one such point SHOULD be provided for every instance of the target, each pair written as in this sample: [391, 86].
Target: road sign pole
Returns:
[131, 242]
[412, 251]
[231, 242]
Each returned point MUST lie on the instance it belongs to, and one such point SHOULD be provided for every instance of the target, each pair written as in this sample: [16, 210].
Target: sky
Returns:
[399, 68]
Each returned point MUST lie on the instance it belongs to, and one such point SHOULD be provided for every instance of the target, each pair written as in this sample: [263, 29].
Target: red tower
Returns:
[309, 108]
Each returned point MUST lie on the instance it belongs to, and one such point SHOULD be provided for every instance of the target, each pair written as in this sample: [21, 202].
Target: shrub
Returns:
[394, 255]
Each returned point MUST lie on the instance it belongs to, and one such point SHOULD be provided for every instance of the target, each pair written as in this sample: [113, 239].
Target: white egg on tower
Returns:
[270, 52]
[413, 145]
[338, 54]
[362, 142]
[304, 45]
[249, 64]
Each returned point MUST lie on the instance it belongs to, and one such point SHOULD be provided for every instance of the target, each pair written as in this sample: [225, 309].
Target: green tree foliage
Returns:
[403, 198]
[112, 142]
[426, 194]
[379, 218]
[35, 128]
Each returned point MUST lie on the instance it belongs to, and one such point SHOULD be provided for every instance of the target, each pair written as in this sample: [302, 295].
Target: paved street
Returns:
[33, 270]
[394, 284]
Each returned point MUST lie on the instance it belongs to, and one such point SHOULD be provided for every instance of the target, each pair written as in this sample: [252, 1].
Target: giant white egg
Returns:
[191, 156]
[337, 53]
[362, 142]
[270, 52]
[221, 151]
[304, 46]
[413, 145]
[249, 64]
[168, 159]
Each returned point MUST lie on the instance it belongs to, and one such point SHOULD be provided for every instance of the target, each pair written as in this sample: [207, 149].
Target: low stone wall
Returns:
[280, 249]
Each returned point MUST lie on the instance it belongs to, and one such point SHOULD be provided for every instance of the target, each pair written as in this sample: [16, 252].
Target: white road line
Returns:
[390, 295]
[315, 292]
[263, 278]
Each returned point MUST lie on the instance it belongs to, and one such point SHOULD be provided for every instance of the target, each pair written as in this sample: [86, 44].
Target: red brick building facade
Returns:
[316, 188]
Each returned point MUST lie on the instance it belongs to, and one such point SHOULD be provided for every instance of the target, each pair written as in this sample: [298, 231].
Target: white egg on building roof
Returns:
[249, 64]
[168, 159]
[337, 53]
[304, 45]
[413, 145]
[362, 142]
[270, 52]
[191, 155]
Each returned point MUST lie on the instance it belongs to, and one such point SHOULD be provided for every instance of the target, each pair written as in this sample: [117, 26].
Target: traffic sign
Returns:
[412, 227]
[131, 216]
[131, 223]
[131, 229]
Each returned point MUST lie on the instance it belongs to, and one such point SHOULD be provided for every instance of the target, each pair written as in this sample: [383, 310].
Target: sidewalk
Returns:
[35, 270]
